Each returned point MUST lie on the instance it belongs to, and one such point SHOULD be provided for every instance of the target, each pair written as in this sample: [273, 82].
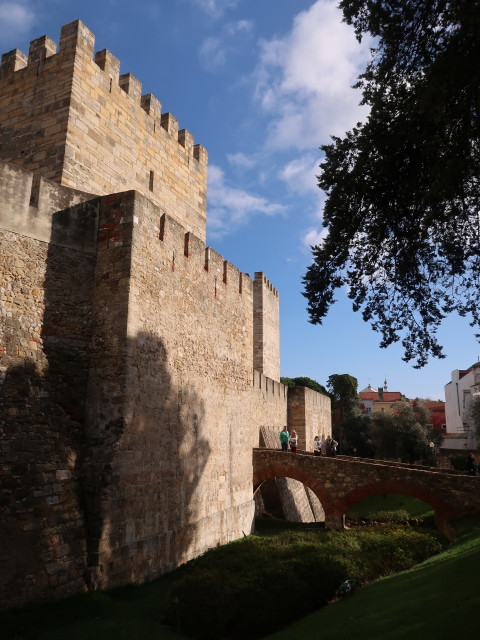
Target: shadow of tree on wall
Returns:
[80, 488]
[142, 473]
[42, 538]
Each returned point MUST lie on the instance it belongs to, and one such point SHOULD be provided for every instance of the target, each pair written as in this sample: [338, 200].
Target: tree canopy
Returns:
[404, 434]
[304, 381]
[403, 188]
[343, 389]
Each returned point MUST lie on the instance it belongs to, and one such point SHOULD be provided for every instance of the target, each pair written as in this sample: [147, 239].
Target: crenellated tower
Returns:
[136, 363]
[266, 327]
[71, 117]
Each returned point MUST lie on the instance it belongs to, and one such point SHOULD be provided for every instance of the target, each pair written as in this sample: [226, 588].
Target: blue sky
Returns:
[261, 84]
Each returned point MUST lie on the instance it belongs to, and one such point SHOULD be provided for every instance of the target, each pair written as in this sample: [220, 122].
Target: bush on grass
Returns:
[388, 549]
[263, 585]
[397, 515]
[254, 586]
[458, 462]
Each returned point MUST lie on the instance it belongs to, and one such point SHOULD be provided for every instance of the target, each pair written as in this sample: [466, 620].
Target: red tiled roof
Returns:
[435, 406]
[388, 396]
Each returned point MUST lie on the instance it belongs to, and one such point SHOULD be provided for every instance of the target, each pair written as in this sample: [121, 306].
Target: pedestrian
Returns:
[472, 465]
[293, 442]
[330, 446]
[284, 438]
[317, 446]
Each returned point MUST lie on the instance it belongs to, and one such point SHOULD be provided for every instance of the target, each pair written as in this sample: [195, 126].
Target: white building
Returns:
[459, 395]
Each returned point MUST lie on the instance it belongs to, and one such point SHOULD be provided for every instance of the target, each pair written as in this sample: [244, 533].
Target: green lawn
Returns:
[436, 600]
[130, 613]
[391, 502]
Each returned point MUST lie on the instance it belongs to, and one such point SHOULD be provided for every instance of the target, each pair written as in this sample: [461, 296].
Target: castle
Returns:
[137, 365]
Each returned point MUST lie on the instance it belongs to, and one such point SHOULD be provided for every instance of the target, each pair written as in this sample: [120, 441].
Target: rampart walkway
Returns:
[341, 482]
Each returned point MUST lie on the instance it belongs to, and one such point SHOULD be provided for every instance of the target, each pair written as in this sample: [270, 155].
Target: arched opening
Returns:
[389, 506]
[442, 512]
[294, 494]
[288, 499]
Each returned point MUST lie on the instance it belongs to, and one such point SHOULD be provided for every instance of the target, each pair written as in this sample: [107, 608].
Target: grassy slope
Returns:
[131, 613]
[436, 600]
[391, 502]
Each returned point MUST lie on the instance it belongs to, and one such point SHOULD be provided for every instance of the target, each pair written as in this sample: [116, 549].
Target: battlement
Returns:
[76, 39]
[266, 336]
[272, 389]
[265, 282]
[186, 252]
[87, 112]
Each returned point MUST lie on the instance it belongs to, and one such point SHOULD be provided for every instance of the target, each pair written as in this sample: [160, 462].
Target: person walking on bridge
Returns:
[294, 441]
[284, 438]
[317, 446]
[472, 465]
[329, 447]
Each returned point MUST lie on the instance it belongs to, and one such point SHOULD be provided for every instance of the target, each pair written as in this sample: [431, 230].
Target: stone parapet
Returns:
[62, 112]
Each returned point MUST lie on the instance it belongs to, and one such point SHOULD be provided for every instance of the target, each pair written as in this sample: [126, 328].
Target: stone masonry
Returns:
[136, 363]
[341, 482]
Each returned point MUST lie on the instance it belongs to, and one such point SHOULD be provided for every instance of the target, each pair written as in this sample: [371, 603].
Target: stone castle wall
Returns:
[136, 364]
[266, 338]
[183, 405]
[45, 316]
[309, 413]
[131, 405]
[77, 121]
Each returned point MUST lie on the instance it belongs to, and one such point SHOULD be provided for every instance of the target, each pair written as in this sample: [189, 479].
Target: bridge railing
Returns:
[375, 461]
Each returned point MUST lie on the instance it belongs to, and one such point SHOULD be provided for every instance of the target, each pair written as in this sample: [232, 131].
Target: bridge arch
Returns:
[279, 470]
[443, 512]
[341, 482]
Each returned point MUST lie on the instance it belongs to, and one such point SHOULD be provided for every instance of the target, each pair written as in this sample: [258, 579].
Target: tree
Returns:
[403, 189]
[303, 381]
[354, 432]
[343, 389]
[405, 434]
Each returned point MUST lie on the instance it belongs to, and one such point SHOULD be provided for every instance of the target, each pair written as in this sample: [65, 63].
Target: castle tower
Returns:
[75, 120]
[136, 363]
[266, 327]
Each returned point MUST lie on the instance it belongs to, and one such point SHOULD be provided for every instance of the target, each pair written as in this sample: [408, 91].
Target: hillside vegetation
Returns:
[438, 599]
[435, 599]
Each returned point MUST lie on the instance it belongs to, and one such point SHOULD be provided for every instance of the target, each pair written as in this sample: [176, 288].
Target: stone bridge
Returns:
[341, 482]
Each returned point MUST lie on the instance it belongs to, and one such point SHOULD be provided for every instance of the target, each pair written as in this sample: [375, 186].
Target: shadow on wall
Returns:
[44, 337]
[101, 456]
[143, 472]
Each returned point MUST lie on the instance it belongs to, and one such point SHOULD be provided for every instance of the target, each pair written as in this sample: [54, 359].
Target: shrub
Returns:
[252, 587]
[398, 515]
[458, 462]
[246, 593]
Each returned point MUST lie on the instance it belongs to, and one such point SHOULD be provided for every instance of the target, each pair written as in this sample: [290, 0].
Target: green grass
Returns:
[130, 613]
[390, 502]
[438, 599]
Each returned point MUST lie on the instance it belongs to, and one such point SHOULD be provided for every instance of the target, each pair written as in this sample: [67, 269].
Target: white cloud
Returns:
[229, 208]
[16, 20]
[213, 53]
[304, 80]
[300, 174]
[215, 50]
[241, 160]
[314, 237]
[215, 8]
